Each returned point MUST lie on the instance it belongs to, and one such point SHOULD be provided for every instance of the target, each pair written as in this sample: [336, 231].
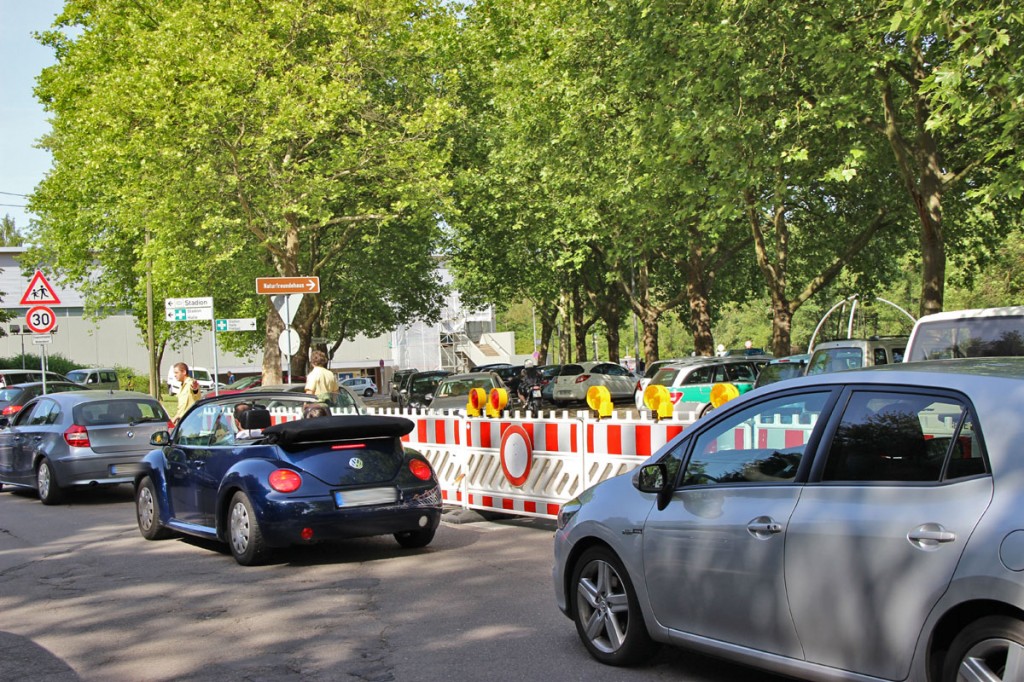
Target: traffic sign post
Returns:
[240, 324]
[40, 319]
[193, 309]
[287, 285]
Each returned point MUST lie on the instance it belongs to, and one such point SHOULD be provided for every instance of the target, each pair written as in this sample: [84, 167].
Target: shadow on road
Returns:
[23, 659]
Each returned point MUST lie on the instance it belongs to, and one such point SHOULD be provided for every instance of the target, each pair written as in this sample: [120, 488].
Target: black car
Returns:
[510, 375]
[493, 367]
[420, 388]
[399, 381]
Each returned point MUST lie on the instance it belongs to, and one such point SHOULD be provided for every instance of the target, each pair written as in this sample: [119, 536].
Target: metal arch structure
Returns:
[852, 301]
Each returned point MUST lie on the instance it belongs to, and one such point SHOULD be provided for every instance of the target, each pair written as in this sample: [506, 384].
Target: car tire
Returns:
[368, 393]
[244, 535]
[707, 409]
[147, 512]
[606, 611]
[47, 487]
[414, 539]
[990, 648]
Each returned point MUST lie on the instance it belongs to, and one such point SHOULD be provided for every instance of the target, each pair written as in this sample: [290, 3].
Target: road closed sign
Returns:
[40, 319]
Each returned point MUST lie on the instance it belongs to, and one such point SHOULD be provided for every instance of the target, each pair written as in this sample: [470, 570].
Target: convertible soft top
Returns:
[340, 427]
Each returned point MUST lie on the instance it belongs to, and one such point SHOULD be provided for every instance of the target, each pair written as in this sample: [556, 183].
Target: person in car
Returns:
[321, 381]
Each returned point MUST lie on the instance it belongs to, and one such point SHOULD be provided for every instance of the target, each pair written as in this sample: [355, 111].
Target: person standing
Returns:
[321, 382]
[188, 391]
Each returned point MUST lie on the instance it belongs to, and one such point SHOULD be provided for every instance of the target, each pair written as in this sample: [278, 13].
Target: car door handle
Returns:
[764, 527]
[37, 438]
[930, 536]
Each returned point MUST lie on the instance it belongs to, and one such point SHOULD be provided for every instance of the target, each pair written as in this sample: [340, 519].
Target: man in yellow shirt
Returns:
[188, 394]
[321, 381]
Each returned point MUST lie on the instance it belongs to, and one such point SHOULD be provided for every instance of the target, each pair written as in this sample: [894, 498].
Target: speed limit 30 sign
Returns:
[40, 319]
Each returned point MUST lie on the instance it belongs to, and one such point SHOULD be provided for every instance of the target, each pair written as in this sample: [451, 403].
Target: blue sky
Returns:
[22, 119]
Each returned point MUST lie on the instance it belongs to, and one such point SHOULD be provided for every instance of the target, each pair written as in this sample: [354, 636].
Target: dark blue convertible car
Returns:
[229, 475]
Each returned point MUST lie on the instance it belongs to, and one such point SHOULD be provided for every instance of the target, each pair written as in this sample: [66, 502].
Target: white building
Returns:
[461, 340]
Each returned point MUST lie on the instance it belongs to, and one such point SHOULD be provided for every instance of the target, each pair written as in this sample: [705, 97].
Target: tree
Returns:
[287, 138]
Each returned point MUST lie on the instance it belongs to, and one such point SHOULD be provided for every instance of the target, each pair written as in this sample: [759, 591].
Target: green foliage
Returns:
[55, 362]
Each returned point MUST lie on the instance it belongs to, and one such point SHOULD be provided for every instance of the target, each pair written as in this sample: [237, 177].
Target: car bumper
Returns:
[282, 521]
[98, 469]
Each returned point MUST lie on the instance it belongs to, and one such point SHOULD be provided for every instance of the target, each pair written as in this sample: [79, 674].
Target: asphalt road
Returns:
[84, 597]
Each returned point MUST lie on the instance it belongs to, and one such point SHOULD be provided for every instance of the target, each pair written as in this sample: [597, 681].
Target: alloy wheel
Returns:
[603, 606]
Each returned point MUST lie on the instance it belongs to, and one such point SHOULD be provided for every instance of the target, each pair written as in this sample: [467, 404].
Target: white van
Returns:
[982, 332]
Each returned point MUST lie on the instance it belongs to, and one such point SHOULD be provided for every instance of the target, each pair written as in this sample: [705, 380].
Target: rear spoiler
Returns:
[336, 428]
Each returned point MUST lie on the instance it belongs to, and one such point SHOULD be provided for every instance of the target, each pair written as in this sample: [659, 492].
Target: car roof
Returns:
[800, 357]
[873, 341]
[90, 396]
[1008, 311]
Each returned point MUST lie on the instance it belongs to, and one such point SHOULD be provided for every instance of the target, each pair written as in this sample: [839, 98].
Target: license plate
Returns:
[365, 497]
[535, 392]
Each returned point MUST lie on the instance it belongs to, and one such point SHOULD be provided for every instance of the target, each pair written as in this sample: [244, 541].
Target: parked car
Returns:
[652, 369]
[492, 367]
[238, 385]
[689, 384]
[346, 399]
[853, 525]
[400, 381]
[836, 356]
[202, 376]
[547, 381]
[363, 386]
[985, 332]
[9, 377]
[96, 377]
[453, 391]
[257, 487]
[14, 398]
[574, 380]
[781, 369]
[78, 438]
[420, 387]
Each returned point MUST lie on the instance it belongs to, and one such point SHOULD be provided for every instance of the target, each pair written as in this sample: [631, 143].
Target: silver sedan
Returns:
[863, 525]
[78, 438]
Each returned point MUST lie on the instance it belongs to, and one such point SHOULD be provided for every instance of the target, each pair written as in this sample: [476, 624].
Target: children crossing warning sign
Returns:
[39, 292]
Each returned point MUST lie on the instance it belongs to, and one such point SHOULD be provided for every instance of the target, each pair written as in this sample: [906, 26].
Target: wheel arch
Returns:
[955, 620]
[574, 557]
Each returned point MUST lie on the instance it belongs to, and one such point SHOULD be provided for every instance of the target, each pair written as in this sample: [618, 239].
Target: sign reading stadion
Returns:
[287, 285]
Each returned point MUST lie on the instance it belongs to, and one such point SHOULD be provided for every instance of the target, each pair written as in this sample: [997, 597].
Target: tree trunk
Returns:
[271, 352]
[579, 326]
[782, 328]
[547, 328]
[698, 284]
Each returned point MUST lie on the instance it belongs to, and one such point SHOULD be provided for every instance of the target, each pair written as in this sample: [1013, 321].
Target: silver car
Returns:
[864, 525]
[78, 438]
[453, 391]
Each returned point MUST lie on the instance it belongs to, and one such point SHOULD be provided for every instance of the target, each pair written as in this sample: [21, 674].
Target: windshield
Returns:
[973, 337]
[77, 375]
[463, 386]
[201, 375]
[835, 360]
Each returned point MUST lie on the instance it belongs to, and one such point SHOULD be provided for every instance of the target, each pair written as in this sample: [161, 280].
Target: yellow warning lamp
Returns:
[723, 393]
[658, 400]
[475, 402]
[497, 402]
[600, 400]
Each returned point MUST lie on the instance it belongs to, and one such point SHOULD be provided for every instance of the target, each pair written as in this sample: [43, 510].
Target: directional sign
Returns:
[40, 319]
[287, 285]
[188, 309]
[239, 324]
[39, 292]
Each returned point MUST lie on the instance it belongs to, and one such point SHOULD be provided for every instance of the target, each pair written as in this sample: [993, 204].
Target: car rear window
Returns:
[666, 376]
[571, 371]
[120, 411]
[835, 360]
[77, 375]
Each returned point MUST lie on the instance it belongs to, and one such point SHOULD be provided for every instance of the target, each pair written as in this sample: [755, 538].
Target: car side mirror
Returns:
[160, 438]
[653, 478]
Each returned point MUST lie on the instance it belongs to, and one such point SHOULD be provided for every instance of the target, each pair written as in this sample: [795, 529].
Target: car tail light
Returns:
[170, 425]
[349, 446]
[77, 436]
[10, 409]
[420, 469]
[285, 480]
[581, 378]
[637, 387]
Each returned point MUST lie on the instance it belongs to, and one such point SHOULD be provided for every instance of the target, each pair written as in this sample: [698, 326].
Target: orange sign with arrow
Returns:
[287, 285]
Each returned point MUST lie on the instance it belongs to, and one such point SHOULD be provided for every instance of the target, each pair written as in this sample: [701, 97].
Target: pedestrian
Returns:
[188, 391]
[321, 381]
[231, 377]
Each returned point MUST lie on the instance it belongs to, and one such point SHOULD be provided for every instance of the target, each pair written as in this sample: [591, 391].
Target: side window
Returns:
[761, 444]
[902, 437]
[742, 372]
[700, 375]
[26, 415]
[880, 358]
[720, 374]
[897, 355]
[41, 413]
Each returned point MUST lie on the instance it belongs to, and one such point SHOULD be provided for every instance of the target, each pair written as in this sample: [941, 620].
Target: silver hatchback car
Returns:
[864, 525]
[78, 438]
